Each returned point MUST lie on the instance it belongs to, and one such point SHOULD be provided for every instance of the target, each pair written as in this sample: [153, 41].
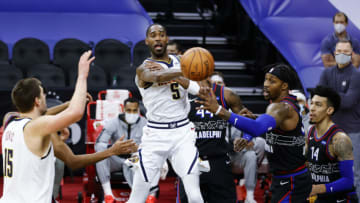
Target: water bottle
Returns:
[114, 81]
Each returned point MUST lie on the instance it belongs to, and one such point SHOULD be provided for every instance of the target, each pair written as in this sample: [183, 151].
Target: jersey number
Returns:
[175, 90]
[202, 113]
[314, 153]
[8, 163]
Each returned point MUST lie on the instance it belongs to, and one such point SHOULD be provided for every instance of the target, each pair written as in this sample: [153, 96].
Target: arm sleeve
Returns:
[107, 133]
[350, 98]
[346, 182]
[261, 125]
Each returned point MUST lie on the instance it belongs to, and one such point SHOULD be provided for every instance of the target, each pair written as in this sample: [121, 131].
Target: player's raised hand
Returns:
[84, 64]
[240, 144]
[209, 101]
[124, 147]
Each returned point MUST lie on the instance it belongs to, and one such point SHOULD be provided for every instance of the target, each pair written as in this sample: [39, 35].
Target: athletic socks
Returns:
[107, 188]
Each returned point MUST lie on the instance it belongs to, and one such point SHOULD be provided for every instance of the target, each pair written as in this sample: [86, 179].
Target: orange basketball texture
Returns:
[197, 64]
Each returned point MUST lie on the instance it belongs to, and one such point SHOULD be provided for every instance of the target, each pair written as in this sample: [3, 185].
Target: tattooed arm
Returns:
[341, 148]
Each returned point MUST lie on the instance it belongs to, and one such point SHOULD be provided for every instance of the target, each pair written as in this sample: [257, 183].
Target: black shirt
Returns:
[210, 129]
[285, 149]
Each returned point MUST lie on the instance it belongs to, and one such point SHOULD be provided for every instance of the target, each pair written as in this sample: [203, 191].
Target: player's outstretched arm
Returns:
[276, 113]
[146, 72]
[45, 125]
[63, 152]
[341, 148]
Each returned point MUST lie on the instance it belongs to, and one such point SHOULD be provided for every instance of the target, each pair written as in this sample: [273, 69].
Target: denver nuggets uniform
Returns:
[27, 177]
[168, 133]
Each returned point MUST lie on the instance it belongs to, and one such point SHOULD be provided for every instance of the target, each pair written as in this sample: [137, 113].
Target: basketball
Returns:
[197, 64]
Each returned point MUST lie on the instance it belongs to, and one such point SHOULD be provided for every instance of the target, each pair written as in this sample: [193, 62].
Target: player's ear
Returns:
[146, 41]
[37, 101]
[284, 86]
[330, 110]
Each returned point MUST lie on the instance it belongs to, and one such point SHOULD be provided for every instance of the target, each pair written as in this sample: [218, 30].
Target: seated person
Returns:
[129, 124]
[248, 161]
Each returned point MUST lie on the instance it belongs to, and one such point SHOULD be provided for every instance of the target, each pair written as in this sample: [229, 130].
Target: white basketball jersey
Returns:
[168, 101]
[27, 177]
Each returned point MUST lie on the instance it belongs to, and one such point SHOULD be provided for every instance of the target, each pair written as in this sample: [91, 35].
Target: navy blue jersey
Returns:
[323, 166]
[210, 129]
[285, 149]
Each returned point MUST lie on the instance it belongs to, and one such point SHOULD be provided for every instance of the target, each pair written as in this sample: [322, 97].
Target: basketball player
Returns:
[329, 151]
[168, 133]
[284, 134]
[28, 146]
[217, 185]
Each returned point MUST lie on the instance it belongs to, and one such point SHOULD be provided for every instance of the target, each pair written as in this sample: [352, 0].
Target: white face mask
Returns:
[339, 28]
[131, 118]
[342, 58]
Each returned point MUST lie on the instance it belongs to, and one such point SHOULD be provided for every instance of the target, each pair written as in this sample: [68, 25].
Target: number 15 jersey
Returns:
[27, 177]
[168, 101]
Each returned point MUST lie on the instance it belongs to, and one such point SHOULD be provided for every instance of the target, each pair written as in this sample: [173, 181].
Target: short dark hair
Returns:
[173, 42]
[24, 93]
[344, 41]
[148, 29]
[333, 98]
[285, 74]
[340, 14]
[131, 100]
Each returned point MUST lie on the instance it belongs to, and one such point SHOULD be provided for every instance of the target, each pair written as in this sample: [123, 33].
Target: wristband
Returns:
[247, 137]
[218, 110]
[193, 88]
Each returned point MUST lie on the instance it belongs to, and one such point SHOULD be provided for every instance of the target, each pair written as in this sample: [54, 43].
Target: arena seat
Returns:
[30, 51]
[96, 79]
[49, 75]
[112, 55]
[4, 52]
[9, 75]
[88, 20]
[140, 53]
[67, 53]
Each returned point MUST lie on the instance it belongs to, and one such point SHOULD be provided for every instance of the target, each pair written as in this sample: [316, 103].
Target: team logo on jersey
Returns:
[134, 159]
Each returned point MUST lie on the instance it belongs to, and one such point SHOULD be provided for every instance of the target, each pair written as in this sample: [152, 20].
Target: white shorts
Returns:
[177, 145]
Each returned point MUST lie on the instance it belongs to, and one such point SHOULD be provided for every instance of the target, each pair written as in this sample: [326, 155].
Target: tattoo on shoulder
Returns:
[342, 147]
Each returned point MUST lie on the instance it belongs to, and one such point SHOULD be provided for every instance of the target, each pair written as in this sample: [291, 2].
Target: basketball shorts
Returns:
[291, 188]
[177, 144]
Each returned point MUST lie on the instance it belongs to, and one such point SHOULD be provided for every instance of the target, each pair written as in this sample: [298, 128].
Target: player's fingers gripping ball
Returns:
[197, 64]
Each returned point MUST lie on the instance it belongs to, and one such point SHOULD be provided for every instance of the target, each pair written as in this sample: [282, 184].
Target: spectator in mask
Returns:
[340, 21]
[129, 124]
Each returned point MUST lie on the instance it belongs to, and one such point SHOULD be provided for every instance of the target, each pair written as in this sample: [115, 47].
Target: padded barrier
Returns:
[296, 28]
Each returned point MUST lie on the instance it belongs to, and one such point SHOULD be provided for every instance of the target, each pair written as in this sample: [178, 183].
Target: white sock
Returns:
[250, 194]
[242, 182]
[107, 188]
